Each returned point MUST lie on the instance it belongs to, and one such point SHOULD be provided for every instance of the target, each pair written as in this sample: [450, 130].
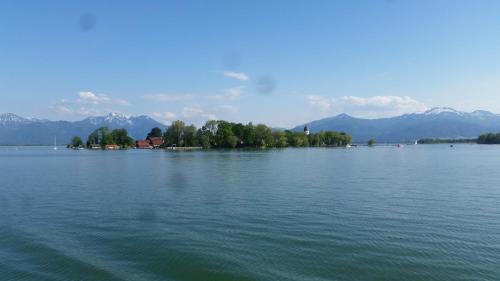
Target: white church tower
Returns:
[306, 130]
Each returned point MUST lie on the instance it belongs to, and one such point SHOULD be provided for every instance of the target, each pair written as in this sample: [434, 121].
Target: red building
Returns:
[156, 142]
[143, 144]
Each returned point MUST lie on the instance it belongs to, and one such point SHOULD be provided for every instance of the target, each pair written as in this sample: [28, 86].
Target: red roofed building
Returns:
[156, 142]
[143, 144]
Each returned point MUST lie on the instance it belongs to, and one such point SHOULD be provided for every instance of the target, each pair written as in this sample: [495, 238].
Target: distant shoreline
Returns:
[354, 145]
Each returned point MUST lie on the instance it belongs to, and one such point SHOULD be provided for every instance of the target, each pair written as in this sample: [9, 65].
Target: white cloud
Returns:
[88, 104]
[169, 98]
[98, 99]
[368, 107]
[231, 94]
[197, 113]
[61, 109]
[78, 111]
[236, 75]
[227, 108]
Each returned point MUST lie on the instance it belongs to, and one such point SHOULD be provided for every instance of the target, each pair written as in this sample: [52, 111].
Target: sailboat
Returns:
[55, 143]
[416, 142]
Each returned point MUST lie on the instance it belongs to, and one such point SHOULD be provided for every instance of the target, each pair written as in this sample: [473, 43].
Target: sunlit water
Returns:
[385, 213]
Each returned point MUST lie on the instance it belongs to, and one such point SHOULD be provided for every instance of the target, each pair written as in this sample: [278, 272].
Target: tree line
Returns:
[223, 134]
[445, 141]
[217, 134]
[102, 137]
[489, 138]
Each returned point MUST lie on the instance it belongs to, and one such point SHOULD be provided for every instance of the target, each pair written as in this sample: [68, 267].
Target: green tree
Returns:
[238, 130]
[175, 133]
[204, 139]
[120, 137]
[190, 137]
[248, 135]
[76, 142]
[231, 142]
[155, 133]
[371, 142]
[99, 136]
[280, 139]
[224, 136]
[489, 138]
[263, 136]
[210, 130]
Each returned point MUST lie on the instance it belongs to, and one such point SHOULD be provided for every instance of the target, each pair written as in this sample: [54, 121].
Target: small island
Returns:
[489, 138]
[446, 141]
[217, 134]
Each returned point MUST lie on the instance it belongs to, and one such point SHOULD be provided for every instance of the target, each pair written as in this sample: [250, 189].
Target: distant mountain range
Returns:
[439, 122]
[435, 123]
[17, 130]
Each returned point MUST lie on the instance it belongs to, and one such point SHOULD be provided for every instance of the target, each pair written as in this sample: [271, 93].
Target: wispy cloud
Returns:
[197, 113]
[237, 75]
[98, 99]
[227, 108]
[78, 111]
[169, 97]
[368, 107]
[231, 93]
[165, 117]
[88, 104]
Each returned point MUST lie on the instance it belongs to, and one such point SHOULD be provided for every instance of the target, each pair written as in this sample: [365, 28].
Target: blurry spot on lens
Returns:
[87, 22]
[265, 84]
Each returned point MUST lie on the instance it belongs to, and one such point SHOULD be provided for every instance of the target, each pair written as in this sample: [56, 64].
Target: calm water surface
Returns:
[418, 213]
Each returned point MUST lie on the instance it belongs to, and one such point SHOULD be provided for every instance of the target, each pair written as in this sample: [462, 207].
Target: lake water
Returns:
[426, 212]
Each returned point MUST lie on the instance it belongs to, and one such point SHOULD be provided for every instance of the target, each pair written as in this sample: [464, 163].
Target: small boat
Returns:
[348, 146]
[55, 143]
[399, 145]
[416, 142]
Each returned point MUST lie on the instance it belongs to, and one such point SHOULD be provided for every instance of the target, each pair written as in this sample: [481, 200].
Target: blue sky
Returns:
[278, 62]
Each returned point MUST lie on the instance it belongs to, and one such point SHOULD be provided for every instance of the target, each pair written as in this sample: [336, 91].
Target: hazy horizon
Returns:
[200, 124]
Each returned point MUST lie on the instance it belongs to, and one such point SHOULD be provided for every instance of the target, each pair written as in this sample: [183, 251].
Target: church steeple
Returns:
[306, 130]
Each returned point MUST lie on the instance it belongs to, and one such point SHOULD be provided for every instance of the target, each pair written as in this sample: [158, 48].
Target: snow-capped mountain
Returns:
[17, 130]
[440, 110]
[11, 119]
[451, 111]
[112, 118]
[439, 122]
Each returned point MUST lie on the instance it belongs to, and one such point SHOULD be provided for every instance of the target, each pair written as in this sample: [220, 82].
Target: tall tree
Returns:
[76, 142]
[155, 133]
[175, 133]
[120, 137]
[99, 136]
[190, 138]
